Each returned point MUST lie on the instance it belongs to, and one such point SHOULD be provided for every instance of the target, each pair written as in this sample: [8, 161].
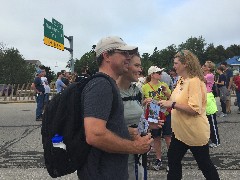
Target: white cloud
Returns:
[147, 24]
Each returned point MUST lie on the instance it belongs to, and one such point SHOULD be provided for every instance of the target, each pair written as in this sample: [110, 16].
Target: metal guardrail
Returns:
[17, 92]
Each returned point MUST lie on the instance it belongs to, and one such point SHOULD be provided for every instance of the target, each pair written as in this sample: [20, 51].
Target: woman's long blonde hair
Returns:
[192, 63]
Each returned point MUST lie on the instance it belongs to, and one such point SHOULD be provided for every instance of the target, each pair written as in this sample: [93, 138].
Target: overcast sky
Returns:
[144, 23]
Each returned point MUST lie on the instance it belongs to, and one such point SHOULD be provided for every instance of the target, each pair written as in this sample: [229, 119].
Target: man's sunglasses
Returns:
[124, 53]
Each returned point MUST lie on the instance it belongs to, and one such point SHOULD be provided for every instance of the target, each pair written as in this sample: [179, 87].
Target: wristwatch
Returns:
[173, 105]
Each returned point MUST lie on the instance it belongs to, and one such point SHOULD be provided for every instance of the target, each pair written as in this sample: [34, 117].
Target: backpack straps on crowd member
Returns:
[137, 97]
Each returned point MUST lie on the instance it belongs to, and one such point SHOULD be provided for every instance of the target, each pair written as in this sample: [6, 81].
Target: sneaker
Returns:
[223, 115]
[220, 114]
[157, 165]
[213, 145]
[167, 169]
[39, 119]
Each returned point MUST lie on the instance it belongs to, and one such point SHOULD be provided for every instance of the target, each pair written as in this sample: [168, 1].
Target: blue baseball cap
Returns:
[39, 71]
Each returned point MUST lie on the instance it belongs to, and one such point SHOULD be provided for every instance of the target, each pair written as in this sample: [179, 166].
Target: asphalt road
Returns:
[21, 153]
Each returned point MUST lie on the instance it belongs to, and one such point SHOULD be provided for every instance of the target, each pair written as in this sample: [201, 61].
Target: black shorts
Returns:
[166, 130]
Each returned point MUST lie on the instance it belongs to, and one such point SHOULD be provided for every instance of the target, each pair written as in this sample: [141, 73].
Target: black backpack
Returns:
[63, 116]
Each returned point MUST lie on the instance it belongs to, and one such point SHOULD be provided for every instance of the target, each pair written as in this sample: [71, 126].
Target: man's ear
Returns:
[106, 56]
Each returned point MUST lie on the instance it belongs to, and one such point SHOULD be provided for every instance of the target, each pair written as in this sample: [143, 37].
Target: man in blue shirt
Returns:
[39, 94]
[59, 84]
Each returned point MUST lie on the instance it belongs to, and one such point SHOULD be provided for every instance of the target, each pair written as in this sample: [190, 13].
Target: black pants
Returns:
[214, 136]
[176, 152]
[223, 105]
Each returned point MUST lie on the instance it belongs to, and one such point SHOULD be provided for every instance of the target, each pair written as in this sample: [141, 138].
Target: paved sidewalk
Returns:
[21, 153]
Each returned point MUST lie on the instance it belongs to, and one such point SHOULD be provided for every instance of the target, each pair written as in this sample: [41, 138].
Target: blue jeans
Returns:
[46, 98]
[238, 98]
[223, 105]
[39, 110]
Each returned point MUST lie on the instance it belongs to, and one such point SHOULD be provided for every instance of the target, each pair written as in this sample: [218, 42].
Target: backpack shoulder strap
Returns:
[137, 97]
[114, 90]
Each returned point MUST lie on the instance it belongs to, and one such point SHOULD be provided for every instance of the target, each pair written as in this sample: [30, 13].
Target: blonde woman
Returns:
[190, 125]
[211, 108]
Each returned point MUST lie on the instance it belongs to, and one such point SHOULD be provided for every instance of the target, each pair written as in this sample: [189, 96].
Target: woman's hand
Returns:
[147, 101]
[165, 103]
[158, 125]
[164, 88]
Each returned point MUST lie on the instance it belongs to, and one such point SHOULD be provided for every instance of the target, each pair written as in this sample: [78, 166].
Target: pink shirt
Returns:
[209, 81]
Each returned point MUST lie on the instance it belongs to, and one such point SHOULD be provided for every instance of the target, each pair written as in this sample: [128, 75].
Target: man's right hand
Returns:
[142, 143]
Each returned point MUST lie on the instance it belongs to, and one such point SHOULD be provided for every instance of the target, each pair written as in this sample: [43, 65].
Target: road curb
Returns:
[8, 102]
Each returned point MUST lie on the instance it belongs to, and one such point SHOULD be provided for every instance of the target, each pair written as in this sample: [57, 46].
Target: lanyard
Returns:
[155, 91]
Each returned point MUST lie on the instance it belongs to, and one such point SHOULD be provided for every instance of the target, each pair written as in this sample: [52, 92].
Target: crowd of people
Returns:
[42, 88]
[184, 99]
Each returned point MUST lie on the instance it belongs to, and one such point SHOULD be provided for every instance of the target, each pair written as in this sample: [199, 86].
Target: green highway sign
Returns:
[57, 24]
[53, 34]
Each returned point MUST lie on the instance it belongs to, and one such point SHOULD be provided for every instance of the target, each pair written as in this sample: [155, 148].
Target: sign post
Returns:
[54, 37]
[53, 34]
[70, 39]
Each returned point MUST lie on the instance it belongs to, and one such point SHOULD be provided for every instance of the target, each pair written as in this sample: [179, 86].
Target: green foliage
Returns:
[221, 54]
[211, 53]
[195, 45]
[163, 58]
[233, 50]
[166, 56]
[14, 69]
[146, 63]
[87, 60]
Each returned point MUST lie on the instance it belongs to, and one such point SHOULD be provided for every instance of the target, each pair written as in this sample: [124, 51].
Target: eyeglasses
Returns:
[159, 72]
[124, 53]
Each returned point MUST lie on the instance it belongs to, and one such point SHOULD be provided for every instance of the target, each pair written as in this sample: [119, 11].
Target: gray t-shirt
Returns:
[132, 114]
[165, 77]
[98, 99]
[132, 108]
